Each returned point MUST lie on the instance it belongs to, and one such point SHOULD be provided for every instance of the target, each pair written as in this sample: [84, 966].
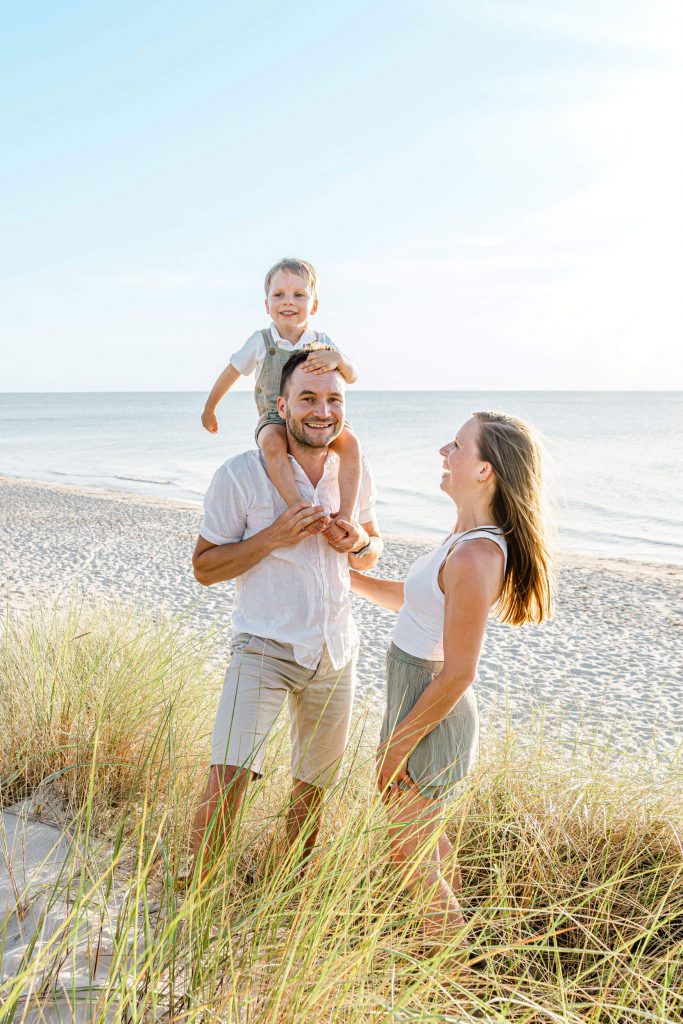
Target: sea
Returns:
[613, 460]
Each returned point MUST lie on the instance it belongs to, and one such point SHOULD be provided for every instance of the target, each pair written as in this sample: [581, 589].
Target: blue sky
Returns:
[490, 191]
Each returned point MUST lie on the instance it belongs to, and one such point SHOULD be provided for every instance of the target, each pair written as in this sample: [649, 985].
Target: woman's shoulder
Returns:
[474, 564]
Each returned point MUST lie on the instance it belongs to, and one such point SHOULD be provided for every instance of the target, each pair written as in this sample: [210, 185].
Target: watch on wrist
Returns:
[364, 550]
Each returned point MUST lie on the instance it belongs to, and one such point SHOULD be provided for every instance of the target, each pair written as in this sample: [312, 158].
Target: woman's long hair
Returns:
[515, 454]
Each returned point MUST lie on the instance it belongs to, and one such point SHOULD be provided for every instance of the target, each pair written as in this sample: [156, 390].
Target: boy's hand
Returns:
[209, 421]
[321, 361]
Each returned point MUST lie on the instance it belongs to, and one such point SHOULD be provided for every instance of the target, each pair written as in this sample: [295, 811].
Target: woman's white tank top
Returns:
[419, 626]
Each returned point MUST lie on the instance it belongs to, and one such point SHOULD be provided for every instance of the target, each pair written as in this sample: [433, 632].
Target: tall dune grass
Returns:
[573, 874]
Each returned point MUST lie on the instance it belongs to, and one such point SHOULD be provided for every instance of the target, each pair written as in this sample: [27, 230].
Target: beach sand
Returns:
[608, 667]
[609, 664]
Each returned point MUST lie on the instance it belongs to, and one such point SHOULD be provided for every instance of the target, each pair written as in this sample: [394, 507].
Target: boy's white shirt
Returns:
[249, 358]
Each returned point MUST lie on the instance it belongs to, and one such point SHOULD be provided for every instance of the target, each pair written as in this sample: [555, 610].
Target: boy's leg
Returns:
[272, 440]
[347, 448]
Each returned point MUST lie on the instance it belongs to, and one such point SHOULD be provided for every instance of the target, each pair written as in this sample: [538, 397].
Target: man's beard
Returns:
[308, 441]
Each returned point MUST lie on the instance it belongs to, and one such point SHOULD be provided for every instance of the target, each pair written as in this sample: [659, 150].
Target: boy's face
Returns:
[290, 302]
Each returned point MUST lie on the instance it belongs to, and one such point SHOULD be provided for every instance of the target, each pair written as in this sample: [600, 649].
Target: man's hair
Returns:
[292, 266]
[296, 359]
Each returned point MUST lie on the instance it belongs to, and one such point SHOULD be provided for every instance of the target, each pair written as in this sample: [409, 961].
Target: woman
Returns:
[496, 555]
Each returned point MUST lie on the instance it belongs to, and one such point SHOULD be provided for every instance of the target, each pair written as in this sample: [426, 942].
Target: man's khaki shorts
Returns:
[261, 675]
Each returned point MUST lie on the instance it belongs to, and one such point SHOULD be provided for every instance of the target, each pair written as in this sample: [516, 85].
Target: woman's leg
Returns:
[450, 868]
[414, 822]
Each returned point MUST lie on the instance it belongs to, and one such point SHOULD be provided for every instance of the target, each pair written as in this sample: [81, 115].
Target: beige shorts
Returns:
[261, 675]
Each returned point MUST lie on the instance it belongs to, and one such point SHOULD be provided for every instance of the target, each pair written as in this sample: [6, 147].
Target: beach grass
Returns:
[572, 864]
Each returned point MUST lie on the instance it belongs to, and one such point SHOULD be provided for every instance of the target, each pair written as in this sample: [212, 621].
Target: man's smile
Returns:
[316, 425]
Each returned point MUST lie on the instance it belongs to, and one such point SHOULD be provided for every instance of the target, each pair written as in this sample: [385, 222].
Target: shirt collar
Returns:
[331, 460]
[307, 338]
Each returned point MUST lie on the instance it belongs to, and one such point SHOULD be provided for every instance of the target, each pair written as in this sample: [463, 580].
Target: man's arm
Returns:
[215, 563]
[370, 556]
[363, 537]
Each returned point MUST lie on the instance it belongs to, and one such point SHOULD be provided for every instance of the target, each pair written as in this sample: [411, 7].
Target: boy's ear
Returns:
[314, 307]
[265, 303]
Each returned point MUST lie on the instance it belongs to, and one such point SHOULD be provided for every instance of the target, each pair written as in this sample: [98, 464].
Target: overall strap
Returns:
[267, 338]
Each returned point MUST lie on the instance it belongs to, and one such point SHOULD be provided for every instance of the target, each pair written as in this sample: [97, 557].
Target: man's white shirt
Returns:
[249, 358]
[299, 594]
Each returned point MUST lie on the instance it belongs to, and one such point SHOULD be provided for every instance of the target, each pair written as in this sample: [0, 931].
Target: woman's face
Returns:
[461, 462]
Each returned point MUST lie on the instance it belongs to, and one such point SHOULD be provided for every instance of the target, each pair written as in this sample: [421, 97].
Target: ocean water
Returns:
[614, 460]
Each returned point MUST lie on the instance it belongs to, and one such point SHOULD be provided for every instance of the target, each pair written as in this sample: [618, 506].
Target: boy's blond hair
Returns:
[292, 266]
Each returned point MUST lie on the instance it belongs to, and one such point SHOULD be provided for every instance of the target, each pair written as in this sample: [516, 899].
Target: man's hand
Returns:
[353, 536]
[321, 361]
[298, 522]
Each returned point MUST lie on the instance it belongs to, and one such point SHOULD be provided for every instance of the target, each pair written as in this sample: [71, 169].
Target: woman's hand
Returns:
[391, 765]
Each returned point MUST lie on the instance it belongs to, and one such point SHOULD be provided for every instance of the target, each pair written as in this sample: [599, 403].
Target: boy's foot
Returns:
[334, 533]
[318, 526]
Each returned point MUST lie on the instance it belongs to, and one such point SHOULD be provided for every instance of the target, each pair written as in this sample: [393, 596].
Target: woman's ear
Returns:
[485, 472]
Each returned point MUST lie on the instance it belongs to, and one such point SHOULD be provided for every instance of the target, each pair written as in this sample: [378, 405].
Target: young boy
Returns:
[291, 299]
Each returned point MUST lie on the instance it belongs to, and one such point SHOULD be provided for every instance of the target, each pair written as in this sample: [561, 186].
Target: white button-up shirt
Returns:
[300, 594]
[249, 358]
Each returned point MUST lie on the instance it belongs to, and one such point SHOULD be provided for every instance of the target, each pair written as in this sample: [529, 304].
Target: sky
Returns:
[490, 190]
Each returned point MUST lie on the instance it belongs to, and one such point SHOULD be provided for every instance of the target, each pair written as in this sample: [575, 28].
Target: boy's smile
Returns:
[290, 304]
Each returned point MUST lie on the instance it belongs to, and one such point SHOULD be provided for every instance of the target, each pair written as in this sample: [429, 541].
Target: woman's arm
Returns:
[472, 579]
[386, 593]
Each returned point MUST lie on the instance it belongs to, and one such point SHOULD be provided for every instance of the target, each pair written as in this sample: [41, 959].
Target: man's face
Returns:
[313, 407]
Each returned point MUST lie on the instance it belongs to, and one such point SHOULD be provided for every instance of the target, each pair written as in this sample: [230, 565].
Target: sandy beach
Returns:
[609, 662]
[606, 669]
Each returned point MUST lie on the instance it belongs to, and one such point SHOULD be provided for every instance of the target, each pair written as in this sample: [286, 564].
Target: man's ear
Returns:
[281, 406]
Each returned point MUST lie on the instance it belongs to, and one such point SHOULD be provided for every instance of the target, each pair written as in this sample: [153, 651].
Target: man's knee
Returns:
[228, 777]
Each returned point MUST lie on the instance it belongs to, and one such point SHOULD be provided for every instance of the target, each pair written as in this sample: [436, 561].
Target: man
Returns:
[294, 633]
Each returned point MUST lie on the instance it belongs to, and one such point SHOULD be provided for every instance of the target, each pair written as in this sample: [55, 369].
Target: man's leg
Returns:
[304, 816]
[253, 694]
[217, 812]
[320, 714]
